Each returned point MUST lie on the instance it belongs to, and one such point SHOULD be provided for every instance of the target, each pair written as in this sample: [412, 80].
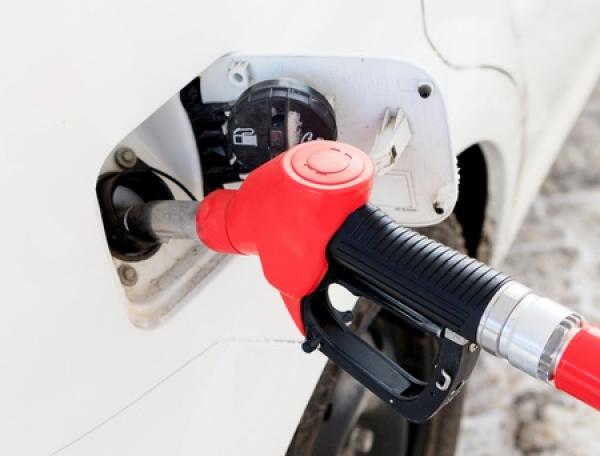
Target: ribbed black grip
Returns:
[396, 264]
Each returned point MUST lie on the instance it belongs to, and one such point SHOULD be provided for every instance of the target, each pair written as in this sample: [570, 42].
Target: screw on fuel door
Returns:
[274, 115]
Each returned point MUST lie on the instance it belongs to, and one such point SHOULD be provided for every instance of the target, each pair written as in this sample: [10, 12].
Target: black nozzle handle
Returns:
[431, 286]
[399, 268]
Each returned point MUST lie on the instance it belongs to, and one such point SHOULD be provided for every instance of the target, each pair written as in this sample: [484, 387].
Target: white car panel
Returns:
[559, 50]
[473, 34]
[228, 410]
[76, 78]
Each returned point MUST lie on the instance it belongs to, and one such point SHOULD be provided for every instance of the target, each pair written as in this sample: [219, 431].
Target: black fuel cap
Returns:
[274, 115]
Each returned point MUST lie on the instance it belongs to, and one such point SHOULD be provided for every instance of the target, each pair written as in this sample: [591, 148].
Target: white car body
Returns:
[224, 374]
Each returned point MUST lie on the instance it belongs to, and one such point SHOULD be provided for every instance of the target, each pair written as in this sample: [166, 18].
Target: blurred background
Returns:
[557, 253]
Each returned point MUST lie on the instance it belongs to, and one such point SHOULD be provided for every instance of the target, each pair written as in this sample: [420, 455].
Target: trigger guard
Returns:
[415, 399]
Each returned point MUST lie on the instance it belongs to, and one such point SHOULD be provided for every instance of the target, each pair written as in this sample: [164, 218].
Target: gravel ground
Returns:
[556, 252]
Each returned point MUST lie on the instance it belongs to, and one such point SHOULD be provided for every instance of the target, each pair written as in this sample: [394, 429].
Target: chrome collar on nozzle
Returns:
[529, 331]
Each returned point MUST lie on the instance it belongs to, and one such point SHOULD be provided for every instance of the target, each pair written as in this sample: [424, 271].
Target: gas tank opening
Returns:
[116, 192]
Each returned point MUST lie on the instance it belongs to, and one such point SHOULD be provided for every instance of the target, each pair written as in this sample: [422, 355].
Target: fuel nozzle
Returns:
[306, 215]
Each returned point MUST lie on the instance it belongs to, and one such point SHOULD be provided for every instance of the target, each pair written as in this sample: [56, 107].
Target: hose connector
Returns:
[529, 331]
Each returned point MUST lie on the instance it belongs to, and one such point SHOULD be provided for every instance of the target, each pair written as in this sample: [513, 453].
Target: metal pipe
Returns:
[163, 220]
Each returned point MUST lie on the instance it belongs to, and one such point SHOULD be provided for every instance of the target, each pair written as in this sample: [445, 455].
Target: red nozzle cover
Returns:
[286, 212]
[578, 371]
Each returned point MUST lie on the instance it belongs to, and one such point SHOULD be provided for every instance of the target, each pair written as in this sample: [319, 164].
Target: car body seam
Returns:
[227, 340]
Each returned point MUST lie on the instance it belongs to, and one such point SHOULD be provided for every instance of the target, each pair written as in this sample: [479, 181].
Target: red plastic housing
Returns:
[287, 211]
[578, 372]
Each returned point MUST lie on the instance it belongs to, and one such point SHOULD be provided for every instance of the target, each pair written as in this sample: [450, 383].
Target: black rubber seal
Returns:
[149, 187]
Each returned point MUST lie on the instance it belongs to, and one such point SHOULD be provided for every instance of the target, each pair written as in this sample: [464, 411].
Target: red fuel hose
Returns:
[578, 371]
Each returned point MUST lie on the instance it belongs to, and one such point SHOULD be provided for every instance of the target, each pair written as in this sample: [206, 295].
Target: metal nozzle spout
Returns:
[162, 220]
